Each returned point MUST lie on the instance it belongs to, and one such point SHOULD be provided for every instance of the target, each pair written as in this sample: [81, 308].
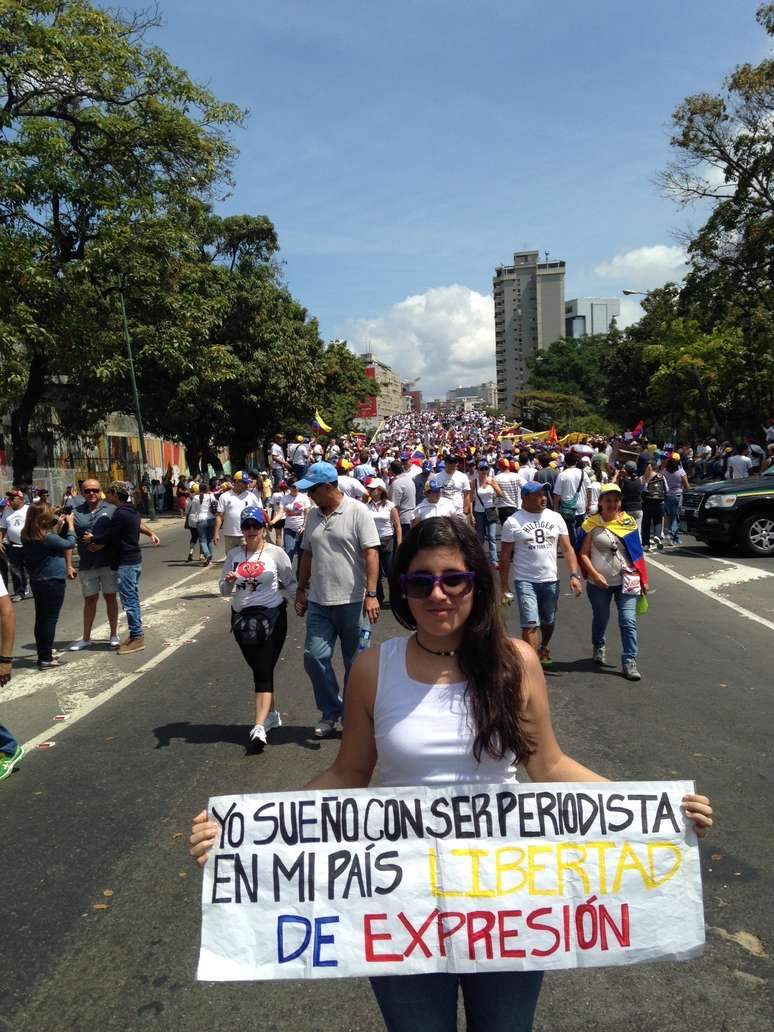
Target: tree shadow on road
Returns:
[231, 734]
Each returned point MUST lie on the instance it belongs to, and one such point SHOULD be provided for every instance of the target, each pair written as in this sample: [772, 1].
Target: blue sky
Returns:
[403, 149]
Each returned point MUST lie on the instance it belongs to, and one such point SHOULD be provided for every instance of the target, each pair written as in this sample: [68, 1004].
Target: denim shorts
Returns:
[98, 579]
[537, 602]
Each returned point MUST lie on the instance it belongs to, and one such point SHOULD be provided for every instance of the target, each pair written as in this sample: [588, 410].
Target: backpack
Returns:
[655, 489]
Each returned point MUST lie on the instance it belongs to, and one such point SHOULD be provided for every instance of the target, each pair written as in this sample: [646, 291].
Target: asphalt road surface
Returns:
[102, 817]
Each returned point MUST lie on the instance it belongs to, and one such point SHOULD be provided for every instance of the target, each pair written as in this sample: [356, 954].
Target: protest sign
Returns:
[458, 878]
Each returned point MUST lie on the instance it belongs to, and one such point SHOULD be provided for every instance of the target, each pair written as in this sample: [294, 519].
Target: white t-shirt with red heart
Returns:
[295, 506]
[260, 574]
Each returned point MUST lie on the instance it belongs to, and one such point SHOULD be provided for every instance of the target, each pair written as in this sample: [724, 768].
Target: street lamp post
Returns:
[141, 432]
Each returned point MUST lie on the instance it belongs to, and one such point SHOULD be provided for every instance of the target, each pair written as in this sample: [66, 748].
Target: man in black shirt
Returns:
[122, 536]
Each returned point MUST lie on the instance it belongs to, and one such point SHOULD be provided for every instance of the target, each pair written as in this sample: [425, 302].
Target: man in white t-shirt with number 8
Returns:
[531, 539]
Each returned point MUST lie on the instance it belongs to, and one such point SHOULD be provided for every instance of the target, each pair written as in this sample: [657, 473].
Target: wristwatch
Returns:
[371, 594]
[575, 576]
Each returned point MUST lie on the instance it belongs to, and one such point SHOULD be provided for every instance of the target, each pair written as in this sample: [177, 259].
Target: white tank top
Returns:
[423, 733]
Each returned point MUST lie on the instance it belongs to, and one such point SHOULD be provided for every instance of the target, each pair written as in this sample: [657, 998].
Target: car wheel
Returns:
[756, 534]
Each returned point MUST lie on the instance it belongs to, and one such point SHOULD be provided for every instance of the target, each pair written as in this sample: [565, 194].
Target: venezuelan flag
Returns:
[418, 453]
[625, 528]
[319, 425]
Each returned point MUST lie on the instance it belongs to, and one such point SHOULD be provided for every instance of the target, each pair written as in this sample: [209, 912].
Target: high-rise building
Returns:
[529, 315]
[584, 316]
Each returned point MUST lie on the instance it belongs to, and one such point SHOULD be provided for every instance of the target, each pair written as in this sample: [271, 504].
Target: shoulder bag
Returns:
[490, 511]
[569, 507]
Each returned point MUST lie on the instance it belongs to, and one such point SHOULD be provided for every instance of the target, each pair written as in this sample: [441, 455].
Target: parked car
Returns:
[739, 512]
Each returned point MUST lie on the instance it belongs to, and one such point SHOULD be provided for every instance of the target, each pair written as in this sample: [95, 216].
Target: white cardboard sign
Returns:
[459, 878]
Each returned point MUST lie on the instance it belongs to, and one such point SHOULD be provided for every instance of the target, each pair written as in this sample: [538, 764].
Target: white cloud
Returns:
[445, 335]
[645, 267]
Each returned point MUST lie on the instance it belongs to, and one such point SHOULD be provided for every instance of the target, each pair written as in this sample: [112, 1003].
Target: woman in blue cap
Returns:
[252, 575]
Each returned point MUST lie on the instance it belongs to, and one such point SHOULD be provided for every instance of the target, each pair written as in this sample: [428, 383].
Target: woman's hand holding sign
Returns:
[203, 835]
[697, 809]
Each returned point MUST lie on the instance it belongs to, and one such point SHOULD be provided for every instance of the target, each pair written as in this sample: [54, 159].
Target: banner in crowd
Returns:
[460, 878]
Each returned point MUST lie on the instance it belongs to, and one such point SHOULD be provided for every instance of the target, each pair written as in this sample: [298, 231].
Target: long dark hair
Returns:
[489, 662]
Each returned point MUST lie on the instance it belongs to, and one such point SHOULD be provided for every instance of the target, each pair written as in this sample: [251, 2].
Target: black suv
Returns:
[737, 512]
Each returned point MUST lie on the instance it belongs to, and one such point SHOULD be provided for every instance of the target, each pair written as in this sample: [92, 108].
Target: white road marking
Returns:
[697, 584]
[730, 577]
[90, 667]
[725, 562]
[89, 705]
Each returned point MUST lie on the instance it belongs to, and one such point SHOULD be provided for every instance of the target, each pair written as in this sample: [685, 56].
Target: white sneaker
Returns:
[115, 641]
[82, 643]
[273, 720]
[323, 728]
[258, 737]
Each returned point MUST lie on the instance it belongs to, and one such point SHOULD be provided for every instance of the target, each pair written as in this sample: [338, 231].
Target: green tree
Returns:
[539, 409]
[98, 132]
[724, 146]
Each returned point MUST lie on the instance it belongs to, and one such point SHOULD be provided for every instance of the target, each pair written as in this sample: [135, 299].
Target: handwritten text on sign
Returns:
[460, 878]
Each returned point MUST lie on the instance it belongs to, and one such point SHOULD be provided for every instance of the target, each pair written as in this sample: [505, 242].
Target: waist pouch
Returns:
[255, 625]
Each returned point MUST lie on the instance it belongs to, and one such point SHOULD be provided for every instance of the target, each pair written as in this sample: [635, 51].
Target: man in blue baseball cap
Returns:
[337, 581]
[531, 539]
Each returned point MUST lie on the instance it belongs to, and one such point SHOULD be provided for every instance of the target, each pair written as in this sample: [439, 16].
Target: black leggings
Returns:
[49, 596]
[262, 658]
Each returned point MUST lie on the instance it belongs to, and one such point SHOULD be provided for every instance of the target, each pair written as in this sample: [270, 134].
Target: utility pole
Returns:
[143, 456]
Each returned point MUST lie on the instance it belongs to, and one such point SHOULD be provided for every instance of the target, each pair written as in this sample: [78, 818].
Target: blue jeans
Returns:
[205, 532]
[129, 593]
[672, 505]
[8, 743]
[487, 534]
[497, 1001]
[323, 625]
[291, 542]
[627, 618]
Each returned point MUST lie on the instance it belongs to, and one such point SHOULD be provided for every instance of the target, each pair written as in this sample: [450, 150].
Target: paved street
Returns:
[103, 816]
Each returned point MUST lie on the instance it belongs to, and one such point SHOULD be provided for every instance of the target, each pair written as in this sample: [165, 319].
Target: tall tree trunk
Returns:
[237, 451]
[716, 427]
[212, 458]
[25, 456]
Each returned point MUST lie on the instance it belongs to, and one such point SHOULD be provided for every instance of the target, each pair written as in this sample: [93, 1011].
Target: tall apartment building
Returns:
[389, 401]
[584, 316]
[529, 315]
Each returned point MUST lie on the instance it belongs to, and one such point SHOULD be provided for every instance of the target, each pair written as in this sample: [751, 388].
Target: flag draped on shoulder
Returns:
[319, 425]
[624, 527]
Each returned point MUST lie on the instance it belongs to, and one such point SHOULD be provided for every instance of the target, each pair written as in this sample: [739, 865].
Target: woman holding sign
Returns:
[252, 575]
[456, 702]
